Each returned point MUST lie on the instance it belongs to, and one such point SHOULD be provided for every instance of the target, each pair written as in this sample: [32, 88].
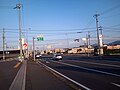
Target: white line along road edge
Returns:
[19, 81]
[65, 77]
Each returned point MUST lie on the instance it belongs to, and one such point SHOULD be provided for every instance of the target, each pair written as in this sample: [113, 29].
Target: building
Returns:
[80, 50]
[113, 47]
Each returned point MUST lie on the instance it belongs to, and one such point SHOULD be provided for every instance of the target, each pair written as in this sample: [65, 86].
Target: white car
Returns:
[57, 57]
[38, 56]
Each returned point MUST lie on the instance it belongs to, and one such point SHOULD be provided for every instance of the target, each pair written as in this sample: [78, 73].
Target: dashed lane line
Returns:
[88, 69]
[116, 85]
[96, 63]
[10, 59]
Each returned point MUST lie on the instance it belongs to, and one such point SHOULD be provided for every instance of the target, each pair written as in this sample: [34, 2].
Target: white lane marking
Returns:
[24, 77]
[10, 59]
[89, 69]
[47, 62]
[73, 81]
[19, 80]
[5, 60]
[116, 84]
[96, 63]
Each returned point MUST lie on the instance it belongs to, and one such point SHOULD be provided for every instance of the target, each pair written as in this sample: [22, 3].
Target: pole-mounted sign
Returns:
[25, 46]
[40, 37]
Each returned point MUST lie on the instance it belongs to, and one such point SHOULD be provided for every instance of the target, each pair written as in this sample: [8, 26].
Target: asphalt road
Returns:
[7, 73]
[95, 74]
[91, 73]
[38, 78]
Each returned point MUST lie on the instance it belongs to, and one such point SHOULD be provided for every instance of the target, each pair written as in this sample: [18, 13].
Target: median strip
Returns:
[17, 65]
[19, 81]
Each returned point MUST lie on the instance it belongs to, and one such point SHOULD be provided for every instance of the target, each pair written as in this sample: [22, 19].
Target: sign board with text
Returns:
[40, 37]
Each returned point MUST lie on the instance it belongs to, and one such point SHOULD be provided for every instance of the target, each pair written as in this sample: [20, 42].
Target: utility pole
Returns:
[88, 42]
[3, 44]
[87, 45]
[18, 6]
[96, 16]
[6, 48]
[27, 42]
[67, 42]
[88, 39]
[100, 30]
[34, 48]
[101, 42]
[84, 42]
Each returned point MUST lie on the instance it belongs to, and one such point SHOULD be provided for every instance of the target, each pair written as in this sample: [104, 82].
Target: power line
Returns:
[53, 29]
[111, 28]
[110, 9]
[115, 26]
[106, 17]
[70, 32]
[6, 7]
[106, 28]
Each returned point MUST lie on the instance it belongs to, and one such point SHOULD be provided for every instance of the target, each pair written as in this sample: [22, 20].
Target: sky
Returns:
[59, 21]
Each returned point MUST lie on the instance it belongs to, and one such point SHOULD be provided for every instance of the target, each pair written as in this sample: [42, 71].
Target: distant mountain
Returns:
[115, 43]
[94, 45]
[112, 43]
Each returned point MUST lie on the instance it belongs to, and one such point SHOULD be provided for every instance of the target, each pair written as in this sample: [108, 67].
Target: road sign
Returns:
[25, 45]
[84, 39]
[40, 38]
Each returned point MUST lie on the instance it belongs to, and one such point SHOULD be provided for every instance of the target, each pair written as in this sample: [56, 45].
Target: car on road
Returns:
[57, 57]
[38, 56]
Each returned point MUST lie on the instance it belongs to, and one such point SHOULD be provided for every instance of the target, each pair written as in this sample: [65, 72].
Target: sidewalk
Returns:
[38, 78]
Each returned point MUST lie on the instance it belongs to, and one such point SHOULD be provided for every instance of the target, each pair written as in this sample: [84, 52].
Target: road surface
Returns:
[86, 73]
